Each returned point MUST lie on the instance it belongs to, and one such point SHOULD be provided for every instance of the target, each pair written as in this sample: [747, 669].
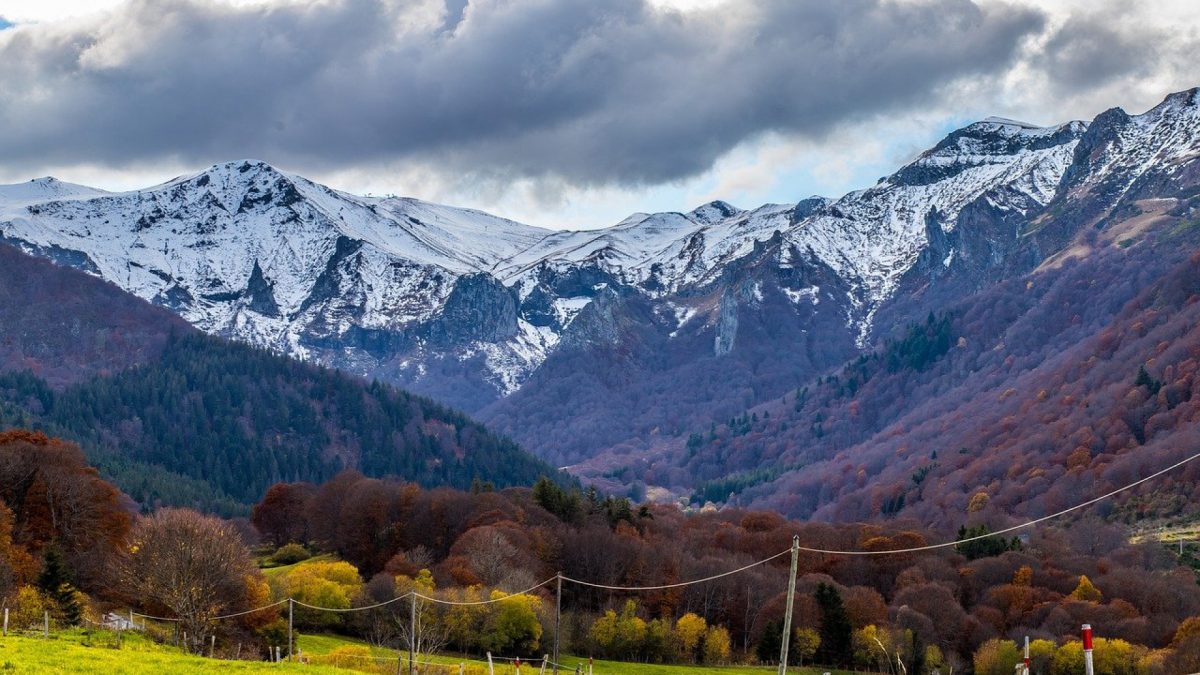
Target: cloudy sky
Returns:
[560, 113]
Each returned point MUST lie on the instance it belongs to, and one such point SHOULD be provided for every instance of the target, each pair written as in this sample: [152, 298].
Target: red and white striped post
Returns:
[1028, 663]
[1087, 650]
[518, 662]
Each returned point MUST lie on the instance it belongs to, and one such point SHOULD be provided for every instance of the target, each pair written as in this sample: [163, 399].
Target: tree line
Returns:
[74, 545]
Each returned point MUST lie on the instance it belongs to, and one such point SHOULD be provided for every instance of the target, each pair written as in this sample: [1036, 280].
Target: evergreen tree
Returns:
[55, 580]
[1144, 380]
[836, 633]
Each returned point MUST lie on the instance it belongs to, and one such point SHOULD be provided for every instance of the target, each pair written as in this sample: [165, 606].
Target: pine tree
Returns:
[836, 632]
[55, 580]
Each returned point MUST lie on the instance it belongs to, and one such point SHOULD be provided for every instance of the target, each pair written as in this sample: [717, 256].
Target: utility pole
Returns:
[291, 641]
[412, 633]
[557, 620]
[787, 617]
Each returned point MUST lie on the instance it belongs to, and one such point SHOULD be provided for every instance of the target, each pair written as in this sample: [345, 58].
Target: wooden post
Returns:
[545, 659]
[291, 607]
[557, 620]
[278, 655]
[5, 622]
[412, 632]
[787, 617]
[132, 625]
[462, 669]
[237, 656]
[212, 645]
[46, 625]
[491, 666]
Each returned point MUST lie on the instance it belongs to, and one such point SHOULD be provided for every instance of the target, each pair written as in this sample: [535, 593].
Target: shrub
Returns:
[290, 554]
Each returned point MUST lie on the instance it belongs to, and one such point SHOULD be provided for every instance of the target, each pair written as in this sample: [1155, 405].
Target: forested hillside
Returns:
[65, 327]
[176, 417]
[1036, 393]
[238, 419]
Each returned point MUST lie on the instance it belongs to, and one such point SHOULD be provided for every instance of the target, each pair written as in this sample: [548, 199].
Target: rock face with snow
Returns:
[489, 314]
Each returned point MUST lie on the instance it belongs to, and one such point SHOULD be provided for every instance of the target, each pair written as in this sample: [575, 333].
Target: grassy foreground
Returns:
[324, 648]
[76, 651]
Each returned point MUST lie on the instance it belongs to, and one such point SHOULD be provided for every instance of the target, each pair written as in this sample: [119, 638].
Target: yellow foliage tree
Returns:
[1041, 653]
[1086, 591]
[512, 625]
[716, 645]
[1111, 657]
[996, 657]
[320, 584]
[979, 500]
[1189, 627]
[464, 623]
[1023, 576]
[934, 658]
[805, 643]
[689, 630]
[872, 646]
[28, 608]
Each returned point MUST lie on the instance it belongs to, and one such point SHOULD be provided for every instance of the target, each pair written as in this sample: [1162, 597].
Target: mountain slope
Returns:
[1069, 380]
[67, 327]
[627, 339]
[246, 251]
[175, 416]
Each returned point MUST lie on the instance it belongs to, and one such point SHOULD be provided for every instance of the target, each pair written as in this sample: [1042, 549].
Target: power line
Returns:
[485, 602]
[1014, 528]
[911, 549]
[680, 584]
[377, 605]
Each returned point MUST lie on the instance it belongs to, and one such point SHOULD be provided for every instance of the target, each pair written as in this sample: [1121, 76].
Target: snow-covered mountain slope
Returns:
[43, 189]
[466, 305]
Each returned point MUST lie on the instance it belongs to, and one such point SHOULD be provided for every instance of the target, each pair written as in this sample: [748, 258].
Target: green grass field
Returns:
[318, 646]
[77, 651]
[270, 569]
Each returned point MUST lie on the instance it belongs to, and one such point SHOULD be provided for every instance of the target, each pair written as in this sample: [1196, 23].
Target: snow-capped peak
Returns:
[713, 211]
[43, 189]
[247, 250]
[1006, 122]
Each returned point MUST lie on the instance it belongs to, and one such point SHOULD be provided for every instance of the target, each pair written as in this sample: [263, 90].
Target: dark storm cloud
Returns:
[589, 91]
[1092, 51]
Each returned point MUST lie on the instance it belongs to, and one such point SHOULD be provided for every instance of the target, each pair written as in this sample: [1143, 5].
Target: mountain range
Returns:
[611, 350]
